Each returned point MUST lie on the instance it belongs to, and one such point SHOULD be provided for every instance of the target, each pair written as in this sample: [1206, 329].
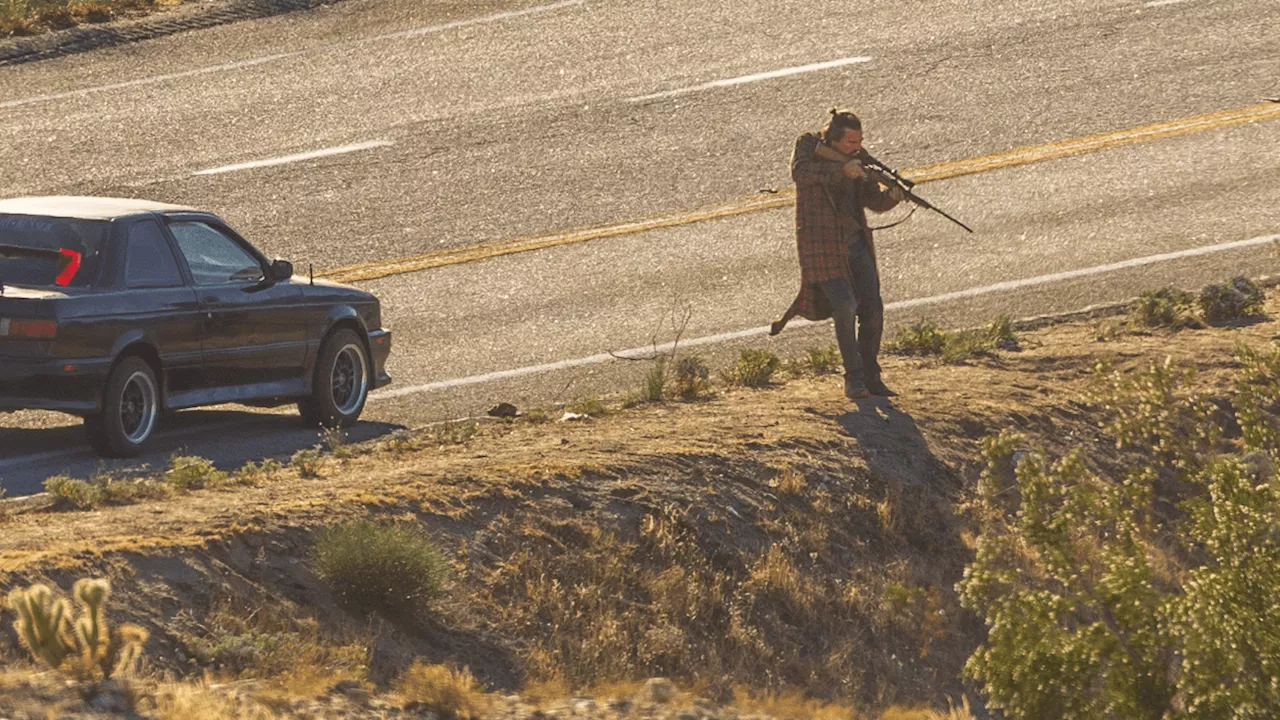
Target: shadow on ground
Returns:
[228, 437]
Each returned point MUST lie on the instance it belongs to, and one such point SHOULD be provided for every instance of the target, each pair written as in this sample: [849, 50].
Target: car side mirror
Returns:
[281, 269]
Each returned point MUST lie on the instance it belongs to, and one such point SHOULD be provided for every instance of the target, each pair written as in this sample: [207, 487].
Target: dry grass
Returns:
[919, 713]
[30, 17]
[277, 642]
[197, 701]
[599, 604]
[445, 691]
[791, 705]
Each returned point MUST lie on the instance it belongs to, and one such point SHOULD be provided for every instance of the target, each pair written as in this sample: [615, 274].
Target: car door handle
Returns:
[210, 302]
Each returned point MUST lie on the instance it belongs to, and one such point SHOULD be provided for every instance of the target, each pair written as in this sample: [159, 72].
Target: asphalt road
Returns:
[503, 120]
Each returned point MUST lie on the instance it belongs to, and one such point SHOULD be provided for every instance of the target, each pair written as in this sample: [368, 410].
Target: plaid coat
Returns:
[822, 233]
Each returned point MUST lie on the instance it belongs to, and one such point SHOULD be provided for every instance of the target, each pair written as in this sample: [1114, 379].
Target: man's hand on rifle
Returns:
[854, 170]
[896, 193]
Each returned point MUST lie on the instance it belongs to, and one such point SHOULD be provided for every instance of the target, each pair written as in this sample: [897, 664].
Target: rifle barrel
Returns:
[888, 176]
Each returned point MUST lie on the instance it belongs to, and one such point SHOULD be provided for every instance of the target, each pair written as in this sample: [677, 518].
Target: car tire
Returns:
[340, 386]
[130, 410]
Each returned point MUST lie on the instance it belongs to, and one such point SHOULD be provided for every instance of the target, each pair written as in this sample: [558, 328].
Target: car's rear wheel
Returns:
[130, 410]
[341, 383]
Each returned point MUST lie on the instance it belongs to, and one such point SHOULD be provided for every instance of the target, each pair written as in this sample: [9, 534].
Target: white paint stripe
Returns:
[296, 158]
[753, 78]
[241, 64]
[642, 352]
[145, 81]
[1084, 272]
[1158, 3]
[496, 17]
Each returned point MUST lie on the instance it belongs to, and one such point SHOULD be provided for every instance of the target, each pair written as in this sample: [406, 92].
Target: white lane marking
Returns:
[753, 78]
[1158, 3]
[144, 81]
[241, 64]
[642, 352]
[496, 17]
[296, 158]
[1085, 272]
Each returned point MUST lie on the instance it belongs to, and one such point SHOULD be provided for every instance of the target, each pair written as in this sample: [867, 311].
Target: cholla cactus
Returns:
[42, 624]
[84, 646]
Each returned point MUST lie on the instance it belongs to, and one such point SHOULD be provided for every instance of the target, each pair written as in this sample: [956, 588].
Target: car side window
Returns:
[149, 261]
[214, 258]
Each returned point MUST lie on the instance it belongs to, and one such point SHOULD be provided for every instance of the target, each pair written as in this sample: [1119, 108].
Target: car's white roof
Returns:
[84, 208]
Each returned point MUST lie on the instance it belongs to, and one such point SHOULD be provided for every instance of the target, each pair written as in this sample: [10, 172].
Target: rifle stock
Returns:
[881, 173]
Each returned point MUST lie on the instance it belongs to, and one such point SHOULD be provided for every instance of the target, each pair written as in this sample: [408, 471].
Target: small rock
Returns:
[571, 416]
[503, 410]
[659, 690]
[345, 687]
[686, 715]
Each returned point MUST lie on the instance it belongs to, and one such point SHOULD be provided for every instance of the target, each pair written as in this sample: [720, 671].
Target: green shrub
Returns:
[823, 360]
[755, 367]
[308, 462]
[76, 492]
[252, 473]
[693, 378]
[655, 381]
[191, 472]
[591, 406]
[965, 345]
[1167, 307]
[923, 337]
[1237, 300]
[1149, 595]
[105, 489]
[380, 567]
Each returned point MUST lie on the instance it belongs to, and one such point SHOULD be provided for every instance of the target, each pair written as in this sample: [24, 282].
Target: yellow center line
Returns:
[756, 203]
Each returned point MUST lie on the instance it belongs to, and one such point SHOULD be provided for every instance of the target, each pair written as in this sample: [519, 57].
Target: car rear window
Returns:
[50, 252]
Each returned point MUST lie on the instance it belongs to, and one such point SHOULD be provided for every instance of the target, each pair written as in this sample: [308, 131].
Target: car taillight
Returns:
[30, 329]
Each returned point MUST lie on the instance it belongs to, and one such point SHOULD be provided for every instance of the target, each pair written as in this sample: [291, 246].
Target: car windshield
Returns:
[49, 252]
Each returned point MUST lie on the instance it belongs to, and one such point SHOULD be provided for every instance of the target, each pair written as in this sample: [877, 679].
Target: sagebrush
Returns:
[380, 567]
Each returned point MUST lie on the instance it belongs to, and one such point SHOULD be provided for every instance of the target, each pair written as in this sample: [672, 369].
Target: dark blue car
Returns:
[117, 310]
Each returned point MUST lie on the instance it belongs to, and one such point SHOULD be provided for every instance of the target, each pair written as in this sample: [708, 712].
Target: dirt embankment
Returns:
[781, 539]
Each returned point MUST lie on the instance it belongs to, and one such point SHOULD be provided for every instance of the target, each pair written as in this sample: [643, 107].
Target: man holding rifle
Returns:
[838, 273]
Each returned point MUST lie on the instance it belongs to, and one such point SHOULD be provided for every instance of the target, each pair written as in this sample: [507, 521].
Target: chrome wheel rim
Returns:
[349, 380]
[138, 407]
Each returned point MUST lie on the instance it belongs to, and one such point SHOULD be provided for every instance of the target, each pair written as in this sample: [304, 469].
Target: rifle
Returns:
[885, 175]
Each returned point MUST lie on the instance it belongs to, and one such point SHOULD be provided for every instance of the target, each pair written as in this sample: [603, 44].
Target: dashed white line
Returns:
[1158, 3]
[370, 145]
[251, 62]
[642, 352]
[741, 80]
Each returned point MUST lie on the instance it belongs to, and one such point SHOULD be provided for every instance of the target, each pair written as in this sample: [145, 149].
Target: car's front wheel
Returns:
[341, 383]
[130, 410]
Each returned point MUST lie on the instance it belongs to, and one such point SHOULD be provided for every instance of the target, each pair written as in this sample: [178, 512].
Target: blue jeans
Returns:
[860, 302]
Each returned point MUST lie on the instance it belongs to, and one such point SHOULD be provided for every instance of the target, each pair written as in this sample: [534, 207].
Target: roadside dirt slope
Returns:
[781, 538]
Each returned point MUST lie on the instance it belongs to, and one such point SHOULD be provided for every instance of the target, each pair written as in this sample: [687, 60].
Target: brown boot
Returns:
[877, 387]
[855, 389]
